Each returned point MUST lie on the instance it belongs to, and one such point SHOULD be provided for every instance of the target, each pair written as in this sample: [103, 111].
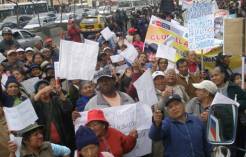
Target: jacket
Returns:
[7, 45]
[4, 135]
[182, 139]
[45, 151]
[99, 102]
[116, 143]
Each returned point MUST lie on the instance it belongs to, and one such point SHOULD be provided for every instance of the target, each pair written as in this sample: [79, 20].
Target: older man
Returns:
[8, 42]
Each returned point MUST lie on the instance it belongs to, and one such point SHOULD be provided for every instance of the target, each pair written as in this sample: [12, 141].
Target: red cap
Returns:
[95, 115]
[132, 30]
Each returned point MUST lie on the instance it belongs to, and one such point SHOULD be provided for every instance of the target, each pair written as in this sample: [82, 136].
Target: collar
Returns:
[102, 101]
[26, 152]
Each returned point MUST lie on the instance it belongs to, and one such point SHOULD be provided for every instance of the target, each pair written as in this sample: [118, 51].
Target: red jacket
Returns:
[116, 143]
[74, 34]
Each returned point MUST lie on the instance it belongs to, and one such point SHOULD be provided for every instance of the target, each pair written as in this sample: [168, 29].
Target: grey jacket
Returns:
[194, 107]
[99, 102]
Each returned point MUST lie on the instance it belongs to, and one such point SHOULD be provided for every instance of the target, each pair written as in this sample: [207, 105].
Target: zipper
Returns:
[191, 145]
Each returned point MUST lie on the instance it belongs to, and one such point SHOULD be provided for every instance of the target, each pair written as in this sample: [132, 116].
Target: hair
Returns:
[180, 61]
[224, 72]
[21, 71]
[233, 76]
[26, 136]
[35, 54]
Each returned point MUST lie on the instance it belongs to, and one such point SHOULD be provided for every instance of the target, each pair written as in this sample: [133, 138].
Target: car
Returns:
[24, 37]
[67, 16]
[92, 24]
[104, 10]
[11, 21]
[43, 21]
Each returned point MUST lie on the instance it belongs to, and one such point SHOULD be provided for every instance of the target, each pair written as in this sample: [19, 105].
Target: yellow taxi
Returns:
[92, 24]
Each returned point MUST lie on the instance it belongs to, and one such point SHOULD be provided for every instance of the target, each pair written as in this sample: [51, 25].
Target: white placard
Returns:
[116, 58]
[166, 52]
[29, 84]
[130, 53]
[77, 60]
[20, 116]
[2, 57]
[107, 33]
[91, 42]
[121, 69]
[146, 89]
[221, 99]
[4, 80]
[124, 118]
[18, 142]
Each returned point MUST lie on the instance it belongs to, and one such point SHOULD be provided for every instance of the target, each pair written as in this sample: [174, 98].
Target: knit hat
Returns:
[96, 115]
[11, 79]
[85, 136]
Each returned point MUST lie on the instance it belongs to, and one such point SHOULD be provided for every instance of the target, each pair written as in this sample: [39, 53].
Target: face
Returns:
[176, 109]
[12, 58]
[142, 59]
[13, 89]
[160, 83]
[163, 63]
[21, 56]
[201, 94]
[90, 150]
[226, 60]
[106, 85]
[183, 69]
[19, 77]
[192, 56]
[44, 95]
[47, 54]
[87, 90]
[50, 73]
[38, 59]
[238, 80]
[137, 37]
[36, 72]
[97, 127]
[7, 36]
[217, 77]
[29, 56]
[36, 139]
[171, 77]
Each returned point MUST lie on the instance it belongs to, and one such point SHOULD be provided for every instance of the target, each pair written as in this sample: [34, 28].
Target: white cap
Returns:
[158, 73]
[9, 52]
[20, 50]
[29, 49]
[207, 85]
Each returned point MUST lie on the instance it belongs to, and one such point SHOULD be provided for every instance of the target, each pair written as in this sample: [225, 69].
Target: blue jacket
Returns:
[182, 139]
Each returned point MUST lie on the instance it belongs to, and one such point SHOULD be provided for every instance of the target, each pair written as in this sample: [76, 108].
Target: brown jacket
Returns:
[4, 137]
[190, 90]
[45, 151]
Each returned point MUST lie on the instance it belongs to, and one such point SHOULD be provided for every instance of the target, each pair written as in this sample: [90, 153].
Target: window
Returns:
[26, 34]
[17, 35]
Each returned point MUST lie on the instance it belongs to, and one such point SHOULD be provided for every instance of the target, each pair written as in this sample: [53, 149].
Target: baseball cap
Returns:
[157, 73]
[9, 52]
[207, 85]
[29, 49]
[20, 50]
[172, 98]
[6, 30]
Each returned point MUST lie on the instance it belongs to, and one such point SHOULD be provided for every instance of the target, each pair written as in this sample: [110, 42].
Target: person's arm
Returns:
[59, 150]
[12, 148]
[155, 130]
[129, 142]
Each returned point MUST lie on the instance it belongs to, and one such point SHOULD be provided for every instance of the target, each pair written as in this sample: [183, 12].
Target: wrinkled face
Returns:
[90, 150]
[175, 109]
[183, 68]
[201, 94]
[36, 139]
[106, 85]
[87, 90]
[19, 77]
[160, 83]
[97, 127]
[38, 59]
[13, 89]
[217, 77]
[171, 77]
[163, 63]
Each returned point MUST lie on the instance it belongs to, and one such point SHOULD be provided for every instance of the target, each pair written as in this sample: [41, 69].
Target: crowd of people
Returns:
[184, 93]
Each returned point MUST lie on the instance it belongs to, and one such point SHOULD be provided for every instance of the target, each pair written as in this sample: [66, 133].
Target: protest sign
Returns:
[159, 30]
[107, 33]
[4, 80]
[91, 42]
[234, 37]
[201, 26]
[145, 88]
[77, 60]
[29, 84]
[219, 16]
[166, 52]
[2, 57]
[130, 53]
[57, 71]
[116, 58]
[20, 116]
[124, 118]
[121, 69]
[221, 99]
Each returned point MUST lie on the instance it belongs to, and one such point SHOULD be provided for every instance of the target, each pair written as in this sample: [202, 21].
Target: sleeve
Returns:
[160, 133]
[59, 150]
[128, 142]
[66, 105]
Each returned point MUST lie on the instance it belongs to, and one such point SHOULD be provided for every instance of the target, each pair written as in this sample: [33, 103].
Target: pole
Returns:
[243, 69]
[202, 62]
[243, 53]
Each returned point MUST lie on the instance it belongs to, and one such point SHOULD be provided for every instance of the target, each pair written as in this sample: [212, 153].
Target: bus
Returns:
[23, 8]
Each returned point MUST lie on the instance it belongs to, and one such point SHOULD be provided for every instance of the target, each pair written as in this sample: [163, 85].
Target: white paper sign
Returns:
[221, 99]
[29, 84]
[145, 88]
[57, 72]
[2, 57]
[130, 53]
[91, 42]
[20, 116]
[18, 142]
[116, 58]
[121, 69]
[166, 52]
[124, 118]
[77, 60]
[4, 80]
[107, 33]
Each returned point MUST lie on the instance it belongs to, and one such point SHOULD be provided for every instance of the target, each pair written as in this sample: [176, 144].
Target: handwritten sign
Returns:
[29, 84]
[201, 26]
[130, 53]
[20, 116]
[116, 58]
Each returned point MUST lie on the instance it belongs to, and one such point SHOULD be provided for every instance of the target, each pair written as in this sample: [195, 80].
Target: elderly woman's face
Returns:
[36, 139]
[13, 89]
[19, 77]
[201, 94]
[171, 76]
[90, 150]
[97, 127]
[217, 77]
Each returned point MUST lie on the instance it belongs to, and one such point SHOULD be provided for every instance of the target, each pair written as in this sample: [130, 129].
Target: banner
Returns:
[125, 118]
[159, 30]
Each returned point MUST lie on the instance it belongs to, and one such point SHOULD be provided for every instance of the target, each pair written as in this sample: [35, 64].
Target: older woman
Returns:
[110, 139]
[33, 144]
[87, 144]
[205, 92]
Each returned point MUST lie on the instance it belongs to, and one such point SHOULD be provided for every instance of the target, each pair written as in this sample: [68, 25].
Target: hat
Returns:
[47, 67]
[105, 72]
[44, 64]
[20, 50]
[157, 73]
[172, 98]
[29, 49]
[207, 85]
[29, 128]
[7, 30]
[47, 40]
[95, 115]
[106, 48]
[11, 79]
[33, 66]
[36, 86]
[132, 30]
[9, 52]
[85, 136]
[44, 50]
